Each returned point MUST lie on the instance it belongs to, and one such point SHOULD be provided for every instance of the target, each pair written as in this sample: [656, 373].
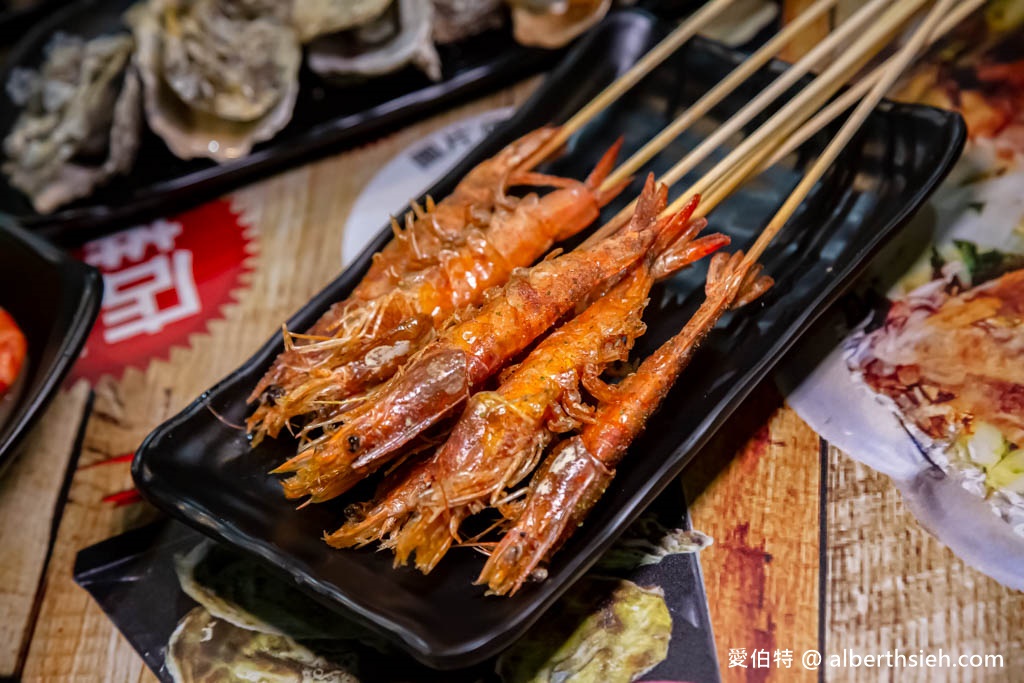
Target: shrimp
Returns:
[503, 433]
[13, 349]
[441, 375]
[469, 204]
[427, 231]
[375, 337]
[576, 474]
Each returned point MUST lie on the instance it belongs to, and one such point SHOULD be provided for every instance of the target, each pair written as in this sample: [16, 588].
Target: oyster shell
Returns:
[312, 18]
[80, 120]
[455, 20]
[218, 76]
[553, 23]
[205, 648]
[400, 36]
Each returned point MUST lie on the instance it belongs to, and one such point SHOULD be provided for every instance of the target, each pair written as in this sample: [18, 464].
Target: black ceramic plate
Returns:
[15, 21]
[55, 300]
[204, 472]
[326, 118]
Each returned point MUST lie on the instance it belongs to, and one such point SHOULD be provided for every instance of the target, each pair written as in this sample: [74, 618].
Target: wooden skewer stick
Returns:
[771, 154]
[623, 83]
[718, 93]
[801, 107]
[894, 68]
[787, 119]
[725, 186]
[856, 92]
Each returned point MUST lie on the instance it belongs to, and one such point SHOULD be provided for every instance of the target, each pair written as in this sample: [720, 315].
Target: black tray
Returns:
[327, 117]
[129, 573]
[54, 300]
[15, 22]
[202, 471]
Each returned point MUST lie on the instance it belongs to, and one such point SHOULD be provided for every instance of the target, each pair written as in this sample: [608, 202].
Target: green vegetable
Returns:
[986, 265]
[986, 446]
[1008, 473]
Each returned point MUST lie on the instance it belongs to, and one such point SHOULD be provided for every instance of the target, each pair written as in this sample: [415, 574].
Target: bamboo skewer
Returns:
[770, 155]
[634, 75]
[788, 118]
[718, 93]
[795, 112]
[893, 69]
[857, 91]
[751, 166]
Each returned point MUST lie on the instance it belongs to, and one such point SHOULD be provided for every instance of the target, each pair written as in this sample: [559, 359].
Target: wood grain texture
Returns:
[809, 37]
[296, 221]
[762, 573]
[893, 585]
[29, 501]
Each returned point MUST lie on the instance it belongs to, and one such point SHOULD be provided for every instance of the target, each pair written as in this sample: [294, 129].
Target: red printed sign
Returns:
[162, 282]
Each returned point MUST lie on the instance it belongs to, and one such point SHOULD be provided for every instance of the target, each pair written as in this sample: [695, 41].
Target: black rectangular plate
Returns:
[129, 573]
[205, 473]
[54, 300]
[327, 117]
[15, 22]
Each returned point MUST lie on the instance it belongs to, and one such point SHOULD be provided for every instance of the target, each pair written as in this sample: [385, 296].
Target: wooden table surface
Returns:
[812, 550]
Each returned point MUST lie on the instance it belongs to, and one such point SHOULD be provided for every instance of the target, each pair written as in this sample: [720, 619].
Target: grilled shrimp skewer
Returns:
[503, 433]
[375, 337]
[440, 377]
[576, 474]
[427, 232]
[470, 203]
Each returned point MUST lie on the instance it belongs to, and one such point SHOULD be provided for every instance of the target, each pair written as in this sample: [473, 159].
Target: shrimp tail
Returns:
[676, 228]
[649, 204]
[592, 183]
[684, 252]
[604, 165]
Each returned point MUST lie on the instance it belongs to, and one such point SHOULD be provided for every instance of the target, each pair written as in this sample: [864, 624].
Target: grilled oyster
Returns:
[245, 594]
[218, 76]
[312, 18]
[553, 23]
[80, 120]
[400, 36]
[206, 648]
[455, 20]
[603, 631]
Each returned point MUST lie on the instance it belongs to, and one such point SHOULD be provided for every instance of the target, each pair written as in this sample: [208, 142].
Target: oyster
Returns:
[602, 631]
[245, 594]
[218, 76]
[553, 23]
[80, 120]
[455, 20]
[312, 18]
[400, 36]
[206, 648]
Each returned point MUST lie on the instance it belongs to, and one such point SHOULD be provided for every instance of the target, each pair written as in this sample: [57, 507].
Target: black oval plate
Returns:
[54, 300]
[327, 117]
[202, 471]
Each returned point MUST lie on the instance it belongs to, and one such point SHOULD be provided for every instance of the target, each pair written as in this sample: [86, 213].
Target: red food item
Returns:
[12, 351]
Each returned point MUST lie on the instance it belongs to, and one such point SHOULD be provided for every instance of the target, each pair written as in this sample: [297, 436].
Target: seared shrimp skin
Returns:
[442, 375]
[577, 472]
